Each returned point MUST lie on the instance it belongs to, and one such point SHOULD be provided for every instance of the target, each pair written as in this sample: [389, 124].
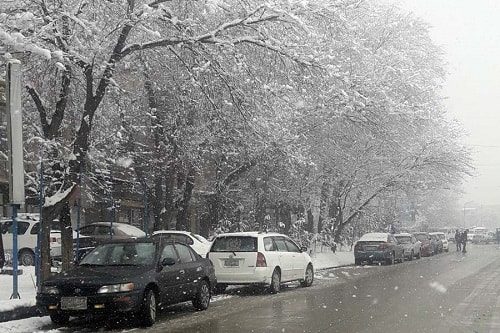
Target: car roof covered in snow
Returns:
[374, 236]
[126, 228]
[250, 234]
[405, 234]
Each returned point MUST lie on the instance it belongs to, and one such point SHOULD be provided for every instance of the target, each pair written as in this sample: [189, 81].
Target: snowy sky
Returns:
[469, 33]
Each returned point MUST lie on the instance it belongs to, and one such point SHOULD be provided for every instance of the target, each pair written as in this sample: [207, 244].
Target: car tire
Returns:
[419, 255]
[202, 298]
[220, 288]
[411, 256]
[309, 277]
[275, 286]
[357, 262]
[390, 260]
[149, 308]
[59, 318]
[26, 258]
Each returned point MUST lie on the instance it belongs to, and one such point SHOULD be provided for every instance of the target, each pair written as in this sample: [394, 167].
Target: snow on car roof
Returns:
[250, 233]
[405, 234]
[374, 236]
[126, 228]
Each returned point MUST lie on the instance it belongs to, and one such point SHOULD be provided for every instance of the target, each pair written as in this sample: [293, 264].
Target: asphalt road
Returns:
[447, 293]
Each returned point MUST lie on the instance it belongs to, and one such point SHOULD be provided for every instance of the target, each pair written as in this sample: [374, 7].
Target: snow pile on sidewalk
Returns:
[26, 287]
[34, 324]
[329, 259]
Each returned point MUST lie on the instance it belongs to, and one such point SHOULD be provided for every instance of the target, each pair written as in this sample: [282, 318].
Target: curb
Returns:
[341, 266]
[21, 312]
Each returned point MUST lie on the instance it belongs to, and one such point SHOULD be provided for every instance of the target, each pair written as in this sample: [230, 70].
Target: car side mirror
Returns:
[303, 249]
[168, 262]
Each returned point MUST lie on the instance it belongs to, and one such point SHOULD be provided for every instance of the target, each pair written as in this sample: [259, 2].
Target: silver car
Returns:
[410, 245]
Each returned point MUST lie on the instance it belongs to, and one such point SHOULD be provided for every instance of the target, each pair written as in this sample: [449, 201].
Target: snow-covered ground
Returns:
[26, 287]
[328, 259]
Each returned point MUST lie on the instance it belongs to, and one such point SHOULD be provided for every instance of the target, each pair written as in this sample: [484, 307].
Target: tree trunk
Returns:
[183, 213]
[66, 237]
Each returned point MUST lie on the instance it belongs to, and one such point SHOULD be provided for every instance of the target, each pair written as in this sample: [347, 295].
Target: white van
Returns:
[259, 258]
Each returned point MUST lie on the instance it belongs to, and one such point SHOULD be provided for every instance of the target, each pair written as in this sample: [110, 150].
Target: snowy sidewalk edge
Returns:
[21, 312]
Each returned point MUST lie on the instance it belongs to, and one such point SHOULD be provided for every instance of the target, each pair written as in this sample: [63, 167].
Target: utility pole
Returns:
[16, 163]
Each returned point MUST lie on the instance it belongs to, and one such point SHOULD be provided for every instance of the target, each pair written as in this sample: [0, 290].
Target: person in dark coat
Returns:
[458, 240]
[464, 240]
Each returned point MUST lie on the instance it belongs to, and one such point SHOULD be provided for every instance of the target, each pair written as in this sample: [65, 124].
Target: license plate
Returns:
[74, 303]
[231, 262]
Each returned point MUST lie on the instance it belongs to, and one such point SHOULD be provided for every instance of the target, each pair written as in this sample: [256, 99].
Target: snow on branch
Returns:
[59, 196]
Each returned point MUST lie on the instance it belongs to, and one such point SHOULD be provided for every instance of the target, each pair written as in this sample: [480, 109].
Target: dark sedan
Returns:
[378, 247]
[129, 276]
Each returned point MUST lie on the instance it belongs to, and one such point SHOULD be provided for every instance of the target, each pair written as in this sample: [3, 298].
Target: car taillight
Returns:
[261, 260]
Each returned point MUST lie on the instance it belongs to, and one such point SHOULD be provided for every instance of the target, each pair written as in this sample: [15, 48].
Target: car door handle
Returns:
[182, 271]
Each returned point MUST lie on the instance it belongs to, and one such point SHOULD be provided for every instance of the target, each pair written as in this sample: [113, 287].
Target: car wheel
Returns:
[275, 282]
[220, 288]
[419, 255]
[59, 318]
[357, 262]
[390, 260]
[149, 308]
[309, 277]
[411, 256]
[202, 299]
[27, 258]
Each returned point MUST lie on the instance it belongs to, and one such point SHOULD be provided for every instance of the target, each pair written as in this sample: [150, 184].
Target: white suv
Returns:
[259, 258]
[27, 228]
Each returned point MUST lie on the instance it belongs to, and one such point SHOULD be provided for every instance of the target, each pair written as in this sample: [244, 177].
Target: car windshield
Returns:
[404, 239]
[234, 244]
[121, 254]
[421, 237]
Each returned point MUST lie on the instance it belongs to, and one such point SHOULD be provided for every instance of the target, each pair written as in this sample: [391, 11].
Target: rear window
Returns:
[234, 244]
[421, 237]
[404, 239]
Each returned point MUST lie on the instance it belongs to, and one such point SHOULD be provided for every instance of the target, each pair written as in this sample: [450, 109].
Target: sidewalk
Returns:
[24, 307]
[12, 309]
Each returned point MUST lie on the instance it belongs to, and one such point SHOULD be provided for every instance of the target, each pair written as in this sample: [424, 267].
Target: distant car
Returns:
[442, 238]
[28, 226]
[111, 230]
[197, 242]
[266, 259]
[410, 245]
[378, 247]
[428, 247]
[134, 276]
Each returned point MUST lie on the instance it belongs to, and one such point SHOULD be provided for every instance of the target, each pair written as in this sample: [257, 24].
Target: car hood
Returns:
[99, 275]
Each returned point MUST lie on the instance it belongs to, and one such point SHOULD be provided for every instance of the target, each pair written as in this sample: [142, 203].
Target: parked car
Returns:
[267, 259]
[197, 242]
[27, 234]
[410, 244]
[378, 247]
[442, 237]
[427, 247]
[133, 276]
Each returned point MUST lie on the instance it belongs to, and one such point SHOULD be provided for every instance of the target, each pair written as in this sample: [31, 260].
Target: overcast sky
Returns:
[469, 33]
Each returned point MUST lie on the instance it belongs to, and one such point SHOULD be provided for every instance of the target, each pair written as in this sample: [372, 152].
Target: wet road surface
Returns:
[446, 293]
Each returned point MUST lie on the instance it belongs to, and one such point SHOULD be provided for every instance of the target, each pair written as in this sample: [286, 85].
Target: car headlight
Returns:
[50, 290]
[116, 288]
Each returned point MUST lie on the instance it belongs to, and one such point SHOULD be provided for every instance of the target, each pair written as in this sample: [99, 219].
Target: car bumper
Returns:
[372, 256]
[96, 304]
[261, 275]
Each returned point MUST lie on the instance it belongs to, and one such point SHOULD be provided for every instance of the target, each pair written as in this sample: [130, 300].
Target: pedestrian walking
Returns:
[464, 240]
[458, 240]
